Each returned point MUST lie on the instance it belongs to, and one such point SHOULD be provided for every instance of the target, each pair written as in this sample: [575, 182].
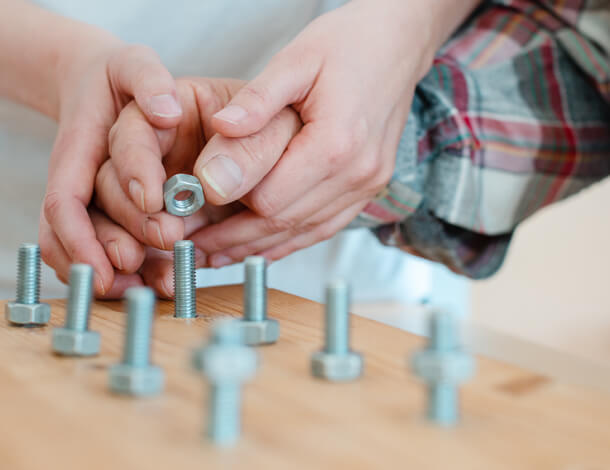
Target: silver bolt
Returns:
[185, 287]
[226, 363]
[135, 375]
[27, 309]
[443, 365]
[75, 338]
[257, 328]
[336, 362]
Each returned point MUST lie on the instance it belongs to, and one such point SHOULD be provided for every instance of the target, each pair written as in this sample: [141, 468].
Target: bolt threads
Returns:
[140, 311]
[442, 331]
[255, 288]
[28, 274]
[184, 279]
[79, 297]
[442, 403]
[224, 413]
[337, 317]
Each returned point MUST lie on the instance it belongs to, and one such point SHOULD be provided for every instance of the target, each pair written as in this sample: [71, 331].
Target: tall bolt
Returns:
[75, 338]
[185, 287]
[336, 362]
[257, 328]
[443, 365]
[27, 309]
[226, 363]
[135, 375]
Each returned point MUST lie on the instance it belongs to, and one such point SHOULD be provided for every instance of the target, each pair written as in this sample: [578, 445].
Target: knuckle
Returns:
[51, 205]
[253, 147]
[259, 94]
[367, 170]
[264, 203]
[278, 224]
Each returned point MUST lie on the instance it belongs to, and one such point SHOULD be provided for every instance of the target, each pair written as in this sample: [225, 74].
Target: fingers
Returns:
[286, 80]
[52, 252]
[137, 71]
[229, 168]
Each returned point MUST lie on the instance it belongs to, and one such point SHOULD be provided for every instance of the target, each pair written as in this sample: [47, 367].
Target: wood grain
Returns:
[57, 413]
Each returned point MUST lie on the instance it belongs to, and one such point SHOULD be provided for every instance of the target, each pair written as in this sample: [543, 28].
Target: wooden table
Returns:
[57, 413]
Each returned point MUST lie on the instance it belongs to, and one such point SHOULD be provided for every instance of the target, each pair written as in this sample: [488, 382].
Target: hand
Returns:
[139, 151]
[350, 75]
[96, 81]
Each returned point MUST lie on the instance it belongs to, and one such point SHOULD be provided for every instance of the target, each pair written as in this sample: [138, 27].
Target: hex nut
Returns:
[177, 184]
[139, 381]
[446, 366]
[337, 367]
[265, 331]
[223, 363]
[27, 314]
[76, 343]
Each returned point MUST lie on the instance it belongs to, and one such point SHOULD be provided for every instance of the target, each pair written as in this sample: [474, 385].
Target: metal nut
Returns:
[260, 332]
[337, 367]
[140, 381]
[75, 343]
[448, 367]
[27, 314]
[222, 363]
[181, 183]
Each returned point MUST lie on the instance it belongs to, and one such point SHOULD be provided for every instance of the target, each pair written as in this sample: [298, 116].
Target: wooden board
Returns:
[57, 413]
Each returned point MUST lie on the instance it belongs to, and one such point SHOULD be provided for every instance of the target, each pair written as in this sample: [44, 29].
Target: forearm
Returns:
[36, 49]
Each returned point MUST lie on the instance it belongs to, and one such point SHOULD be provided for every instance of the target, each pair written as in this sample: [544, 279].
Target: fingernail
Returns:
[165, 289]
[223, 174]
[113, 247]
[219, 261]
[102, 288]
[152, 232]
[136, 191]
[232, 113]
[165, 106]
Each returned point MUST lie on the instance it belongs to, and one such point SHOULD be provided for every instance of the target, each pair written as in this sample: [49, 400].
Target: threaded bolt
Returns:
[255, 288]
[225, 413]
[28, 274]
[184, 279]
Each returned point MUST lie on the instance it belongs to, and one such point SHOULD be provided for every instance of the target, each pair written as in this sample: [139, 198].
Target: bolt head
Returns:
[447, 366]
[27, 314]
[259, 332]
[226, 363]
[177, 184]
[76, 343]
[337, 367]
[138, 381]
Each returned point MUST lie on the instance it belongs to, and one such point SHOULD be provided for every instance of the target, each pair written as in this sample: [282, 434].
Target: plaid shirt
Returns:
[514, 115]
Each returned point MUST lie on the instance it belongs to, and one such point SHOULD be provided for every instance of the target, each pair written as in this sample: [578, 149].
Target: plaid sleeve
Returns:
[514, 115]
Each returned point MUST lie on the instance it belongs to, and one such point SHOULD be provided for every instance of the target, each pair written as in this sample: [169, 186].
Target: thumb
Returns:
[286, 80]
[137, 71]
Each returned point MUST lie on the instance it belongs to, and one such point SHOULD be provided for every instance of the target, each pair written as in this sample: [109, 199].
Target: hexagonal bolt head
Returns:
[180, 183]
[266, 331]
[27, 314]
[75, 343]
[226, 363]
[138, 381]
[449, 367]
[337, 367]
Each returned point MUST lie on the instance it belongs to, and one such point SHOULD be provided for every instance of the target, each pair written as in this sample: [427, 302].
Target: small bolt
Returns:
[75, 338]
[185, 285]
[135, 375]
[27, 309]
[227, 363]
[336, 362]
[443, 365]
[257, 328]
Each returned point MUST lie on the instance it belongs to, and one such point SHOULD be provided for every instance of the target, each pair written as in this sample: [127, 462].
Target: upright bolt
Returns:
[336, 362]
[75, 338]
[257, 328]
[226, 363]
[27, 309]
[443, 365]
[135, 375]
[185, 287]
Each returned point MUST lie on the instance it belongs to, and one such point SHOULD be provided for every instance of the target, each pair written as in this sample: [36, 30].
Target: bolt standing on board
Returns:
[443, 365]
[185, 281]
[336, 362]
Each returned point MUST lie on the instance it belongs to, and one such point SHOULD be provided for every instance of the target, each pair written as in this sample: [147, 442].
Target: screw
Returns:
[75, 339]
[226, 363]
[185, 287]
[27, 309]
[443, 365]
[336, 362]
[135, 375]
[257, 328]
